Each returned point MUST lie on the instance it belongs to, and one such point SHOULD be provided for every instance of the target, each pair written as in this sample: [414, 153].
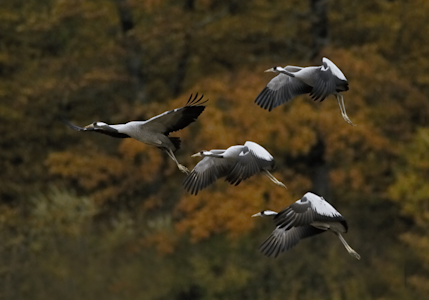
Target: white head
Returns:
[100, 124]
[201, 153]
[275, 69]
[212, 153]
[265, 213]
[96, 124]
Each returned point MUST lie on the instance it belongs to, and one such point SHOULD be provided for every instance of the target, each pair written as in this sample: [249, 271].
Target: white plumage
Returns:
[308, 216]
[334, 69]
[154, 131]
[318, 81]
[237, 163]
[319, 205]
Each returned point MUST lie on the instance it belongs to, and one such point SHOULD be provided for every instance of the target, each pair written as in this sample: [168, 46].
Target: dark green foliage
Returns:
[85, 216]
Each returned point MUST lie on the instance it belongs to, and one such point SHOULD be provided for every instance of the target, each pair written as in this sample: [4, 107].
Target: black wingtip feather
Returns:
[193, 102]
[263, 99]
[190, 114]
[190, 183]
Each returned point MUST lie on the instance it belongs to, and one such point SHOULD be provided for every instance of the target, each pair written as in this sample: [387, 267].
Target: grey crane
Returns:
[318, 81]
[237, 163]
[307, 217]
[156, 130]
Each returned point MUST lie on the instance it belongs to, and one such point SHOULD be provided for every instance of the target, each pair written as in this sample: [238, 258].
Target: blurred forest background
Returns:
[85, 216]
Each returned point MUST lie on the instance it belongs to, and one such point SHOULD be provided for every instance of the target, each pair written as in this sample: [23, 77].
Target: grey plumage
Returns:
[237, 163]
[156, 130]
[318, 81]
[309, 216]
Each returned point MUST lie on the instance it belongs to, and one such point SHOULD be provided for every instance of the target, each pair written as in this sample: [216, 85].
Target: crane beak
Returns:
[270, 70]
[256, 215]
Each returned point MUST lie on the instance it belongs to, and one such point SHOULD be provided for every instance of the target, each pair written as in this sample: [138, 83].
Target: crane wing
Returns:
[324, 83]
[281, 240]
[281, 89]
[176, 119]
[325, 212]
[297, 214]
[251, 160]
[264, 158]
[207, 171]
[245, 166]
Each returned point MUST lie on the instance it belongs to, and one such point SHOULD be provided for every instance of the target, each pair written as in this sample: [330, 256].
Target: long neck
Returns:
[283, 71]
[269, 213]
[213, 153]
[122, 128]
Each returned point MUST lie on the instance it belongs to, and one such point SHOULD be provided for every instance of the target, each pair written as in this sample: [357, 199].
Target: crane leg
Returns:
[340, 99]
[348, 248]
[273, 179]
[180, 166]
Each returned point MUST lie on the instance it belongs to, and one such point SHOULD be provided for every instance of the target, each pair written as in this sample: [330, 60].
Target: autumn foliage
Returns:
[87, 216]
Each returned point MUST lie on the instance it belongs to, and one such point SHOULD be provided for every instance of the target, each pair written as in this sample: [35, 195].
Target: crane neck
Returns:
[211, 154]
[287, 73]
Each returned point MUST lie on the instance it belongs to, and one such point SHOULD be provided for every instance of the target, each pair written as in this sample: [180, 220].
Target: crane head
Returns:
[201, 153]
[273, 69]
[265, 213]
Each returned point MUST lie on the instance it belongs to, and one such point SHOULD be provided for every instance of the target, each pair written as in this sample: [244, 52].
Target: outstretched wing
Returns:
[281, 89]
[176, 119]
[297, 214]
[207, 171]
[251, 160]
[102, 129]
[281, 240]
[325, 82]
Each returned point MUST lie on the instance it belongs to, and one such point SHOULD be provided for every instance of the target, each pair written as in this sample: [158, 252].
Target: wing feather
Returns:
[207, 171]
[281, 240]
[176, 119]
[281, 89]
[325, 83]
[245, 166]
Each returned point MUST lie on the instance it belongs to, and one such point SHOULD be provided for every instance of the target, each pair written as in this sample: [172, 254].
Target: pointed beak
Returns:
[196, 154]
[270, 70]
[256, 215]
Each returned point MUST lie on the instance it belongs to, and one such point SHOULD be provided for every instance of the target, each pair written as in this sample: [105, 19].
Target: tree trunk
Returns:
[134, 50]
[177, 84]
[320, 170]
[319, 26]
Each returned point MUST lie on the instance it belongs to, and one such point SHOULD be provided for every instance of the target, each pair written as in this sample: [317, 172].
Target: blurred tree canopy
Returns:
[88, 216]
